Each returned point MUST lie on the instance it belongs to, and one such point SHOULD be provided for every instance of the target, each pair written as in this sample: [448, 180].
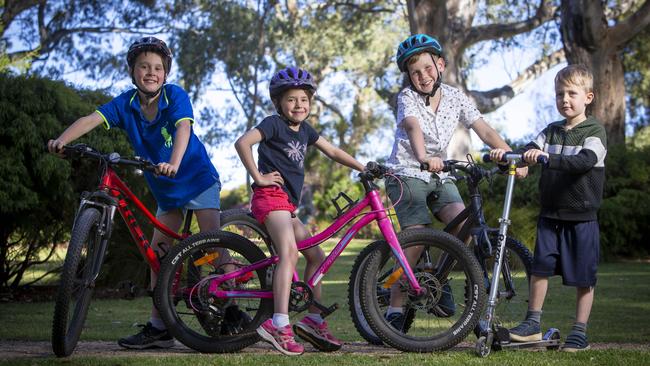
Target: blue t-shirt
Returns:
[283, 150]
[155, 140]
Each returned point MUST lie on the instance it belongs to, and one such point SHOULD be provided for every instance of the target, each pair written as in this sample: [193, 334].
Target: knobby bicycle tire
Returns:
[241, 222]
[77, 282]
[194, 316]
[429, 330]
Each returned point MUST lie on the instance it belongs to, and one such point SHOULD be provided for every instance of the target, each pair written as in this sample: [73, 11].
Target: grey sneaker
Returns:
[149, 337]
[575, 342]
[526, 331]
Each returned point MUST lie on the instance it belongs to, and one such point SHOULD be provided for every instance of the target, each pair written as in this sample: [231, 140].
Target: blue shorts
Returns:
[567, 248]
[206, 199]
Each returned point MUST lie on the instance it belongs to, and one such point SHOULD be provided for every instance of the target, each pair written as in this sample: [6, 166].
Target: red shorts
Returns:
[267, 199]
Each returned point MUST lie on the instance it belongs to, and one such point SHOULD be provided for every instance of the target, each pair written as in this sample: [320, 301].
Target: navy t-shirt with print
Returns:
[283, 150]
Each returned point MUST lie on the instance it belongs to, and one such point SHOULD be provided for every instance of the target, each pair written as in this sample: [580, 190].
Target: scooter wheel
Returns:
[482, 347]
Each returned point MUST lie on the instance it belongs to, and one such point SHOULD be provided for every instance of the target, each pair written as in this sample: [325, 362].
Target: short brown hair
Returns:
[578, 75]
[413, 59]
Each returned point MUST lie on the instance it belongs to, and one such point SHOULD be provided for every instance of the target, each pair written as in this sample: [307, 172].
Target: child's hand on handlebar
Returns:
[532, 155]
[434, 164]
[497, 154]
[166, 169]
[56, 147]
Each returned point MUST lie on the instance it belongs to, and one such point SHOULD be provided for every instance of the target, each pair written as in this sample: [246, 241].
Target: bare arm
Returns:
[79, 128]
[181, 140]
[244, 146]
[416, 138]
[337, 154]
[488, 135]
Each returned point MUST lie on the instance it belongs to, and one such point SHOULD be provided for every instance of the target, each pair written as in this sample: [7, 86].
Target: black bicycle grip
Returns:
[446, 167]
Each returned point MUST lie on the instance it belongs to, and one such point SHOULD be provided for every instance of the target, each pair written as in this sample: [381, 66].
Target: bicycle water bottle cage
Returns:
[348, 203]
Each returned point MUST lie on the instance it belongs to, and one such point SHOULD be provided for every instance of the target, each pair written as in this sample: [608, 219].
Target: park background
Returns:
[61, 59]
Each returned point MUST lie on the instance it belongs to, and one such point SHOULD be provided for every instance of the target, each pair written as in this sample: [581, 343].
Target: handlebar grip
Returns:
[446, 167]
[540, 159]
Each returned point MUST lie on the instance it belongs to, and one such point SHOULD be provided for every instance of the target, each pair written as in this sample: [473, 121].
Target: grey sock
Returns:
[535, 316]
[579, 328]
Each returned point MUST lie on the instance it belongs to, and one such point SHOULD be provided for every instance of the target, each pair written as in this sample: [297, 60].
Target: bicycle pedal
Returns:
[326, 311]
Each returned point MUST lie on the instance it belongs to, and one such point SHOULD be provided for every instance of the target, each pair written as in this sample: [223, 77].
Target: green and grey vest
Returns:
[571, 186]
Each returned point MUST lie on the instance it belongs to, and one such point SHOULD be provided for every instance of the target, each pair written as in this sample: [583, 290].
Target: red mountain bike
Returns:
[91, 233]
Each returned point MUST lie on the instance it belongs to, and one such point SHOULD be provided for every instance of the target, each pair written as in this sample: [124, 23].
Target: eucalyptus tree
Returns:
[461, 24]
[595, 33]
[58, 36]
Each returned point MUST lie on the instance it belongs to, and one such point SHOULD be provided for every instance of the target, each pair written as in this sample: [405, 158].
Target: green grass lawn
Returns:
[620, 314]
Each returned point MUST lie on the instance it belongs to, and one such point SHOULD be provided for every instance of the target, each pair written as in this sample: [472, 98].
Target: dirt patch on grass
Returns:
[24, 349]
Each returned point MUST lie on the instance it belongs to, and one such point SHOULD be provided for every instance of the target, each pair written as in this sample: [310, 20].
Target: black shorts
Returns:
[567, 248]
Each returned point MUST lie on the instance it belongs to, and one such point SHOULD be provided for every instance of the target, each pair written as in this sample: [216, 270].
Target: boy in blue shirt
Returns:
[571, 191]
[157, 118]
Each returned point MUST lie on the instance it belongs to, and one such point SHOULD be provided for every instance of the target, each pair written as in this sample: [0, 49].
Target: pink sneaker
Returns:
[281, 338]
[317, 334]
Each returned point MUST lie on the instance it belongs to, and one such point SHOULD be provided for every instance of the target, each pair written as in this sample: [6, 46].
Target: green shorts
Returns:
[419, 197]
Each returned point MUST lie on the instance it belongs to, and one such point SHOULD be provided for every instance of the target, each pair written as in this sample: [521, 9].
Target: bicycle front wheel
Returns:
[452, 301]
[190, 310]
[73, 297]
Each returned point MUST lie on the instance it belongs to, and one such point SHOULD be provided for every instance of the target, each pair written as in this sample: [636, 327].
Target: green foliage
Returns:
[624, 215]
[39, 191]
[234, 198]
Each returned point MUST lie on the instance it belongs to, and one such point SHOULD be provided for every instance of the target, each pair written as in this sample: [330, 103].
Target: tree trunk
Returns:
[585, 38]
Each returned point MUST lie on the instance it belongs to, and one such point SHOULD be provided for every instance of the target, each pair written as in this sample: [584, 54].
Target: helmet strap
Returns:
[287, 120]
[148, 95]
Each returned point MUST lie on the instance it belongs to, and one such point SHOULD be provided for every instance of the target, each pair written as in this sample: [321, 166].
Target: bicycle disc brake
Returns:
[432, 292]
[300, 297]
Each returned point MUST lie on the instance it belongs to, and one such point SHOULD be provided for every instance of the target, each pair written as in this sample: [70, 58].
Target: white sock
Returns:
[396, 309]
[157, 323]
[315, 317]
[280, 320]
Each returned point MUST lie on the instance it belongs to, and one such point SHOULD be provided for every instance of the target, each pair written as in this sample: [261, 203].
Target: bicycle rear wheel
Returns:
[241, 222]
[192, 314]
[451, 277]
[81, 265]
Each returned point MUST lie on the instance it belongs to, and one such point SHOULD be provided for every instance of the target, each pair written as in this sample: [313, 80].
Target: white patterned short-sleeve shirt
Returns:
[437, 128]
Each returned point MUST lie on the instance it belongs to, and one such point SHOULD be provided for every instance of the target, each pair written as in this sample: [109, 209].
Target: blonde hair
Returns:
[578, 75]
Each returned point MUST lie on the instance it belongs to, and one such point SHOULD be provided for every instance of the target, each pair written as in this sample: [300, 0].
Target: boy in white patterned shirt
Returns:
[427, 115]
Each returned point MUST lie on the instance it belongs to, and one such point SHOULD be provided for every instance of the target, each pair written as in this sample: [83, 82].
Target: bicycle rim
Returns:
[427, 328]
[194, 316]
[77, 282]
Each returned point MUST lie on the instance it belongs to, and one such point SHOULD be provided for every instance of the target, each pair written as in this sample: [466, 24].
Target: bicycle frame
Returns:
[377, 212]
[113, 190]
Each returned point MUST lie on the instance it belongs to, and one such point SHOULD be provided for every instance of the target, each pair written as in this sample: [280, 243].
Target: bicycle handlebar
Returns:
[469, 168]
[85, 151]
[514, 156]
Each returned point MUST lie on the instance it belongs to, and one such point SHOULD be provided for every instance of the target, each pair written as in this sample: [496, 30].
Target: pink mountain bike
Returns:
[240, 282]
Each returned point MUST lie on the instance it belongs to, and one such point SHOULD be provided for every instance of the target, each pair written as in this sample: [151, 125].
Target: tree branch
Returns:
[490, 100]
[331, 107]
[545, 12]
[630, 27]
[11, 9]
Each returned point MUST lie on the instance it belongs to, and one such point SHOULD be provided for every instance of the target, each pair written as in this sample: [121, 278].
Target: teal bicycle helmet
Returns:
[415, 44]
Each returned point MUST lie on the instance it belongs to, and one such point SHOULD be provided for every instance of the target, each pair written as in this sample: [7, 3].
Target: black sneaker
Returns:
[396, 320]
[235, 321]
[446, 306]
[149, 337]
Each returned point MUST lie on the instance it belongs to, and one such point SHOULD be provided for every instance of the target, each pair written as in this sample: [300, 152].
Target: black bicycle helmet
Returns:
[150, 44]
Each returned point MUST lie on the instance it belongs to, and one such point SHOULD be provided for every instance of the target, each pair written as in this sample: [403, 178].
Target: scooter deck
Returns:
[550, 340]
